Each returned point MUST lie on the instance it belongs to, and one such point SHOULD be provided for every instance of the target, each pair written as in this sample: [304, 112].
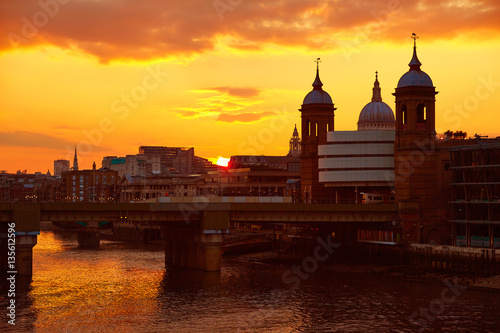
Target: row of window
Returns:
[421, 113]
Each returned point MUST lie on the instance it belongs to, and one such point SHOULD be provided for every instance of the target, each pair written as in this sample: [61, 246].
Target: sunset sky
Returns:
[226, 76]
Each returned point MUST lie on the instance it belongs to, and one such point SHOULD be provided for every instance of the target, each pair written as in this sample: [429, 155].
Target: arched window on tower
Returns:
[308, 125]
[421, 113]
[404, 114]
[328, 127]
[316, 129]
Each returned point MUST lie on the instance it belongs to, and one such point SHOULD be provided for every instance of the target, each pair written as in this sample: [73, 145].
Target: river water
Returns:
[125, 289]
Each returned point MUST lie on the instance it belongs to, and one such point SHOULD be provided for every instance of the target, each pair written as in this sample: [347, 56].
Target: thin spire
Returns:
[414, 63]
[75, 162]
[317, 82]
[377, 97]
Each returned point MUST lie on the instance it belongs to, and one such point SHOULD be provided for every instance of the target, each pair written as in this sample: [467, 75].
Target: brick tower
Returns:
[317, 115]
[415, 156]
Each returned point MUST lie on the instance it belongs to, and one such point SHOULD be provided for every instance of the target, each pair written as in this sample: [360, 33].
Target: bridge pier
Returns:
[24, 223]
[168, 253]
[191, 247]
[89, 236]
[194, 251]
[176, 255]
[212, 251]
[24, 253]
[200, 256]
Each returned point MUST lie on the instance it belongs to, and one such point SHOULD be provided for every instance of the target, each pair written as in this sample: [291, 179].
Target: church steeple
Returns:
[294, 144]
[317, 84]
[75, 162]
[317, 117]
[414, 63]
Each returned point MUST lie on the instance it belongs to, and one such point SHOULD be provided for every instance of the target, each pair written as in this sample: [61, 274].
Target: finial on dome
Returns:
[317, 82]
[414, 63]
[377, 97]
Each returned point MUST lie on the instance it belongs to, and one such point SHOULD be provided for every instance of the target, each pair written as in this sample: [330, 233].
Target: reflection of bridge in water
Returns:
[194, 232]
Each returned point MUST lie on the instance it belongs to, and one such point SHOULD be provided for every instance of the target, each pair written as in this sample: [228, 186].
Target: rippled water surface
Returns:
[123, 289]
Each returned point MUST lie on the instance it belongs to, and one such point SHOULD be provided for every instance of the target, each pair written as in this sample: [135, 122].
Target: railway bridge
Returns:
[194, 232]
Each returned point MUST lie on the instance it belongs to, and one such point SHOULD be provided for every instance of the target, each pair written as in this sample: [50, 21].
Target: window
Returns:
[404, 114]
[421, 113]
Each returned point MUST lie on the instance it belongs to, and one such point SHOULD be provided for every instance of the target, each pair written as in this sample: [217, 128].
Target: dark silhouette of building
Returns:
[182, 160]
[60, 166]
[475, 200]
[354, 164]
[317, 115]
[24, 187]
[96, 185]
[295, 144]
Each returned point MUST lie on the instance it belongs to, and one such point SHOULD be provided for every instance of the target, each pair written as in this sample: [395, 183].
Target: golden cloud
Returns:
[142, 30]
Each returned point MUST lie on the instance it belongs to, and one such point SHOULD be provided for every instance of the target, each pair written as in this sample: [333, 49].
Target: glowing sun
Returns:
[222, 161]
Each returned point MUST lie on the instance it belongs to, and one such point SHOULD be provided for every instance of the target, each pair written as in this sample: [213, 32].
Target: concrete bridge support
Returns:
[25, 225]
[89, 236]
[212, 254]
[194, 251]
[24, 253]
[192, 247]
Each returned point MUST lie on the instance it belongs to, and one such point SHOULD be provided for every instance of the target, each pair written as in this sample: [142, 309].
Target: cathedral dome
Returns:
[317, 95]
[415, 76]
[376, 115]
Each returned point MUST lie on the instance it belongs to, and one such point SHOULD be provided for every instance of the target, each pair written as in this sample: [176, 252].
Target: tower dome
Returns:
[317, 95]
[376, 115]
[415, 76]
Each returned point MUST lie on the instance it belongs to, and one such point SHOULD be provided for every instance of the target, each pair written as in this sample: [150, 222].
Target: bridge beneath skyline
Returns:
[194, 232]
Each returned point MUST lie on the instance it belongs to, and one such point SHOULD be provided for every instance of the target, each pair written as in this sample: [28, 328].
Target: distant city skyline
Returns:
[226, 81]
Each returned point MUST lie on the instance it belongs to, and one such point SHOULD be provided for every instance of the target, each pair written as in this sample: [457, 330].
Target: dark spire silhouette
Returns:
[414, 63]
[377, 97]
[75, 162]
[317, 82]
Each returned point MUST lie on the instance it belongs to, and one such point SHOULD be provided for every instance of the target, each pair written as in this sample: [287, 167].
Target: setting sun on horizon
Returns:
[221, 161]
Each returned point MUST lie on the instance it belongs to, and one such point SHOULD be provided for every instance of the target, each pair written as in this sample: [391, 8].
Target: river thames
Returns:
[120, 288]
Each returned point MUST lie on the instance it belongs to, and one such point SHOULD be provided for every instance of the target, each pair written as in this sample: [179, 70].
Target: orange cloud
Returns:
[227, 100]
[239, 92]
[143, 30]
[244, 117]
[38, 140]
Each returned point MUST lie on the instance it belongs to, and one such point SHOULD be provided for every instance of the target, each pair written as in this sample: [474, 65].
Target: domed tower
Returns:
[376, 115]
[415, 161]
[295, 144]
[415, 105]
[317, 115]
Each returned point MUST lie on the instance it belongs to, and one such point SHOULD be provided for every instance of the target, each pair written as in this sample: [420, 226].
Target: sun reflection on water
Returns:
[89, 288]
